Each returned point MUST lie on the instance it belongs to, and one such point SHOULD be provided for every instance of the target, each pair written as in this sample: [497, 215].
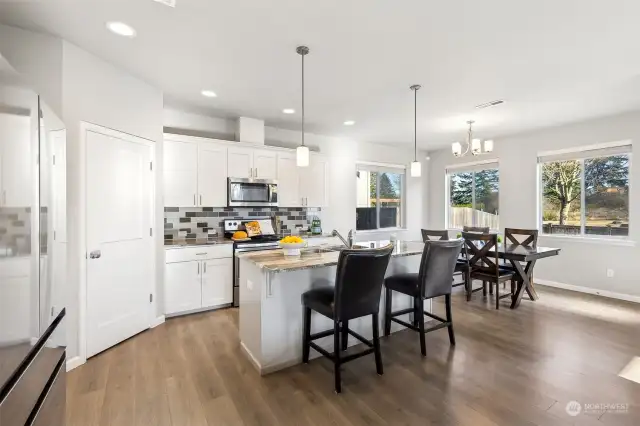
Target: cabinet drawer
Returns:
[188, 254]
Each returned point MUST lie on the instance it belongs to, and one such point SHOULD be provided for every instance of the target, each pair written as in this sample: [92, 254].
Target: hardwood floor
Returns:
[509, 367]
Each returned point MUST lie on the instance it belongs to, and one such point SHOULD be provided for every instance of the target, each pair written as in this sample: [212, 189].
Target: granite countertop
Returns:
[194, 242]
[275, 260]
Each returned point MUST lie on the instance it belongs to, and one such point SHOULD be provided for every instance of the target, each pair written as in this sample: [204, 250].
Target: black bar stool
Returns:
[434, 279]
[356, 294]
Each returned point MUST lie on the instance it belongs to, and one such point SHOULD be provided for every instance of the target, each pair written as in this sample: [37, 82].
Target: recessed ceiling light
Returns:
[289, 111]
[490, 104]
[209, 93]
[121, 28]
[349, 123]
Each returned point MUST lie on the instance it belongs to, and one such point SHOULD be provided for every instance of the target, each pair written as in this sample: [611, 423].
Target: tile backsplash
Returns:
[207, 222]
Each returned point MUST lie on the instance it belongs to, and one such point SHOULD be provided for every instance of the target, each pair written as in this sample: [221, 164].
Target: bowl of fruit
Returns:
[291, 245]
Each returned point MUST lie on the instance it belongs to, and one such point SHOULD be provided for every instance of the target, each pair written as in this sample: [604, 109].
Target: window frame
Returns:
[581, 154]
[473, 167]
[384, 168]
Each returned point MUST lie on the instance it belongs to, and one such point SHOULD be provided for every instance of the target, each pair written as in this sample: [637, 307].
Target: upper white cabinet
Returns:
[265, 164]
[251, 163]
[212, 175]
[15, 160]
[240, 162]
[180, 173]
[313, 182]
[288, 180]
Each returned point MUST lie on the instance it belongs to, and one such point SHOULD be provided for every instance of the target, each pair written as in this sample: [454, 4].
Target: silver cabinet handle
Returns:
[4, 197]
[200, 199]
[198, 268]
[250, 172]
[95, 254]
[201, 254]
[194, 199]
[205, 267]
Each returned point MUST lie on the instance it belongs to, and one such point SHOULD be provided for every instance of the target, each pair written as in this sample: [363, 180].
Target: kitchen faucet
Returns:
[348, 242]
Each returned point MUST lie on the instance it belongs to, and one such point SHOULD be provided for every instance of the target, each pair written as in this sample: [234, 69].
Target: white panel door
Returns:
[180, 174]
[240, 162]
[288, 181]
[120, 271]
[15, 151]
[217, 282]
[264, 164]
[183, 288]
[313, 187]
[212, 175]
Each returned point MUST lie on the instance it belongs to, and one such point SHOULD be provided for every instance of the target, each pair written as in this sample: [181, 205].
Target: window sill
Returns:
[622, 242]
[377, 231]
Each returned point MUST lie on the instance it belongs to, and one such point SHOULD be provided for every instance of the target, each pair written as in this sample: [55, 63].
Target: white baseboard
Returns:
[75, 362]
[156, 322]
[589, 290]
[249, 355]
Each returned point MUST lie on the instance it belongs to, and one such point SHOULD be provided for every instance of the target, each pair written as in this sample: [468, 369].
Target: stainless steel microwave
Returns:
[252, 192]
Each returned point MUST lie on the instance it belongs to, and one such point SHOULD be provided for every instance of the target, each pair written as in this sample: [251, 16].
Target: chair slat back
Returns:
[521, 237]
[477, 229]
[432, 235]
[478, 248]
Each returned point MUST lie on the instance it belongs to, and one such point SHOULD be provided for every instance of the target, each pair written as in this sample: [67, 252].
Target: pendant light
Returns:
[416, 167]
[302, 152]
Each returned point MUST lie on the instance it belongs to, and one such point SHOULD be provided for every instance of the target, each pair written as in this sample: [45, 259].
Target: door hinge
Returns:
[150, 298]
[151, 232]
[151, 166]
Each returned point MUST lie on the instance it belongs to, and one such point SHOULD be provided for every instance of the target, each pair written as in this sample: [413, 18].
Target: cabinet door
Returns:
[180, 174]
[313, 186]
[264, 164]
[16, 164]
[212, 175]
[183, 288]
[288, 181]
[217, 282]
[240, 162]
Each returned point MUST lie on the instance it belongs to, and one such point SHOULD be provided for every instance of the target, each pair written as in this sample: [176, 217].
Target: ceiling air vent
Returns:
[170, 3]
[489, 104]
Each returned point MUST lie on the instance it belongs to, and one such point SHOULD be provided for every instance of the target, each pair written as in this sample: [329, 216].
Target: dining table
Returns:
[523, 258]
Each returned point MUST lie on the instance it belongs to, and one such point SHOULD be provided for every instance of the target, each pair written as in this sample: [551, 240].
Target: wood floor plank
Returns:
[510, 367]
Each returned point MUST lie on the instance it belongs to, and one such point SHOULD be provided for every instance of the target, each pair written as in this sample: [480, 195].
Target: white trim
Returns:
[622, 241]
[472, 163]
[74, 362]
[249, 355]
[82, 228]
[589, 290]
[157, 321]
[583, 148]
[380, 230]
[376, 164]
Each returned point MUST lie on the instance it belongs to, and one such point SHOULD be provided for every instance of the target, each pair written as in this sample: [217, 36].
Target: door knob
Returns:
[95, 254]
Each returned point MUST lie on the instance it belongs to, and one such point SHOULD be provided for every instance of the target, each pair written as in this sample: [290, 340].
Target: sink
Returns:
[328, 249]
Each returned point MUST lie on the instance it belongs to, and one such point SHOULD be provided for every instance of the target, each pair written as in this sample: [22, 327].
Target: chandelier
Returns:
[473, 145]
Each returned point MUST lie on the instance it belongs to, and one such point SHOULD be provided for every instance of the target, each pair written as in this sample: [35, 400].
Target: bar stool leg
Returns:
[306, 335]
[447, 301]
[423, 343]
[416, 311]
[345, 334]
[336, 356]
[376, 344]
[387, 312]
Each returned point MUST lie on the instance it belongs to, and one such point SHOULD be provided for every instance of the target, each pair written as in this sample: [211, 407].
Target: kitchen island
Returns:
[271, 288]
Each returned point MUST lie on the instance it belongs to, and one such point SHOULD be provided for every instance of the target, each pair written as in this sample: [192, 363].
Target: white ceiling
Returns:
[553, 61]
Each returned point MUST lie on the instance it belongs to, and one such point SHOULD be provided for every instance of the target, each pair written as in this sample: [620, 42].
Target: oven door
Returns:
[252, 192]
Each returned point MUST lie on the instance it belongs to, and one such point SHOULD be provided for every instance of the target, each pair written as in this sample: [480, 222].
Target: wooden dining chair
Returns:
[485, 267]
[520, 237]
[476, 229]
[431, 235]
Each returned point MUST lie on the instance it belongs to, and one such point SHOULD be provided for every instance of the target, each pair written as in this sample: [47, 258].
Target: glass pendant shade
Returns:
[475, 146]
[416, 169]
[302, 156]
[456, 149]
[488, 146]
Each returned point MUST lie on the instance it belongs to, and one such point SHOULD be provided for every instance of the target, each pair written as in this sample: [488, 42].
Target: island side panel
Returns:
[252, 282]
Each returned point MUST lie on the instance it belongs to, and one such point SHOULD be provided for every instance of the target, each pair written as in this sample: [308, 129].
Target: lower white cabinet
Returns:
[193, 281]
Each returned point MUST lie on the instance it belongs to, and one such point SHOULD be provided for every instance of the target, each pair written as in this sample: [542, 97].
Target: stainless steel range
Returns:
[267, 241]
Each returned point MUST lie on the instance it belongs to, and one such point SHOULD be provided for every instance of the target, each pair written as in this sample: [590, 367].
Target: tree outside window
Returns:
[474, 198]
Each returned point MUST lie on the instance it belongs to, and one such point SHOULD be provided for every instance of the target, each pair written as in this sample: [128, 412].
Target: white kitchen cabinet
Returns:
[240, 162]
[15, 160]
[217, 282]
[265, 164]
[183, 289]
[16, 291]
[288, 180]
[313, 182]
[212, 175]
[180, 173]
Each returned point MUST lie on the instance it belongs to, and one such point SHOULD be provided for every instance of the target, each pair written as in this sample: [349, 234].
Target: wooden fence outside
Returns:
[460, 216]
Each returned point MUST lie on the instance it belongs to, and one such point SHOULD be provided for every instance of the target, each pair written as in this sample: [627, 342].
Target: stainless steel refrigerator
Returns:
[32, 258]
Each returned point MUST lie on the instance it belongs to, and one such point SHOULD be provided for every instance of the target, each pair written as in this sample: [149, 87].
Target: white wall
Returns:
[580, 263]
[97, 92]
[343, 154]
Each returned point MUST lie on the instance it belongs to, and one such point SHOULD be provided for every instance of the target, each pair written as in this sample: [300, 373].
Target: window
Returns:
[586, 193]
[379, 197]
[473, 196]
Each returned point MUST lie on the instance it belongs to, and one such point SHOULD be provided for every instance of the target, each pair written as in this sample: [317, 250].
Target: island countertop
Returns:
[319, 257]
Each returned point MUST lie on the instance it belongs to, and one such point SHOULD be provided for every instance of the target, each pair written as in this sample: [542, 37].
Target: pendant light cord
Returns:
[415, 125]
[302, 100]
